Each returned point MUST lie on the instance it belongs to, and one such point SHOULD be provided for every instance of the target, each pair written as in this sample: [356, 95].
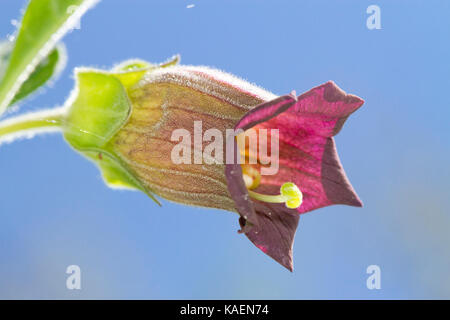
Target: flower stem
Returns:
[31, 124]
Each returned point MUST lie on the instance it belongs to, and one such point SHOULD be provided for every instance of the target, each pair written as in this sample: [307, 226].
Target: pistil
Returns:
[290, 194]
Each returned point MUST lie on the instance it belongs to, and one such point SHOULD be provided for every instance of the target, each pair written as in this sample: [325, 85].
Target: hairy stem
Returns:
[28, 125]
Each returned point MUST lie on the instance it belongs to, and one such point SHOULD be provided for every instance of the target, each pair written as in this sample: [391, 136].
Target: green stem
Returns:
[31, 124]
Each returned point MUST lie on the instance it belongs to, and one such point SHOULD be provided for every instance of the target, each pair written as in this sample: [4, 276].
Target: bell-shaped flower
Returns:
[201, 137]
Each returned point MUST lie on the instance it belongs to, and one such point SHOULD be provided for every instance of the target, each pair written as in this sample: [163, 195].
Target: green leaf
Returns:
[5, 52]
[47, 69]
[44, 23]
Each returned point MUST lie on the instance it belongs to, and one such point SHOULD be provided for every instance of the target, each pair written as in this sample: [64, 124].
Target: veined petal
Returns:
[275, 232]
[233, 172]
[174, 98]
[308, 155]
[307, 158]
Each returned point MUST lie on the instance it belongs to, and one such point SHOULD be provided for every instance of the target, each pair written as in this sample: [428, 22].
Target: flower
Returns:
[137, 121]
[176, 97]
[308, 158]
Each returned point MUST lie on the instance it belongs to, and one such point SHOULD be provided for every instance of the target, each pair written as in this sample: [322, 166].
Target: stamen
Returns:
[290, 194]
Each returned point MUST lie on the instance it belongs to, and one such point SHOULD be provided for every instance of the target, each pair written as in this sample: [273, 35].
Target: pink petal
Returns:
[275, 232]
[308, 155]
[308, 158]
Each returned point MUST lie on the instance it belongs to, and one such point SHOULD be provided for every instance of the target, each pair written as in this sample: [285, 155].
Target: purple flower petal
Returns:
[233, 172]
[308, 158]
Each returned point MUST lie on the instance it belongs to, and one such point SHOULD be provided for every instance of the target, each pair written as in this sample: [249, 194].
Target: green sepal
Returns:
[129, 72]
[114, 173]
[99, 109]
[96, 111]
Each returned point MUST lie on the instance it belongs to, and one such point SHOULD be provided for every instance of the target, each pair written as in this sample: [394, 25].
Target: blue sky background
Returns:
[55, 210]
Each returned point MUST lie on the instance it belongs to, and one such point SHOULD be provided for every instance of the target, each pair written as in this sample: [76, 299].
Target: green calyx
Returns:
[99, 105]
[98, 108]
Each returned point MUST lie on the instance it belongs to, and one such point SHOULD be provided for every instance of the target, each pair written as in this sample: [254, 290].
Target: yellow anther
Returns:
[293, 195]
